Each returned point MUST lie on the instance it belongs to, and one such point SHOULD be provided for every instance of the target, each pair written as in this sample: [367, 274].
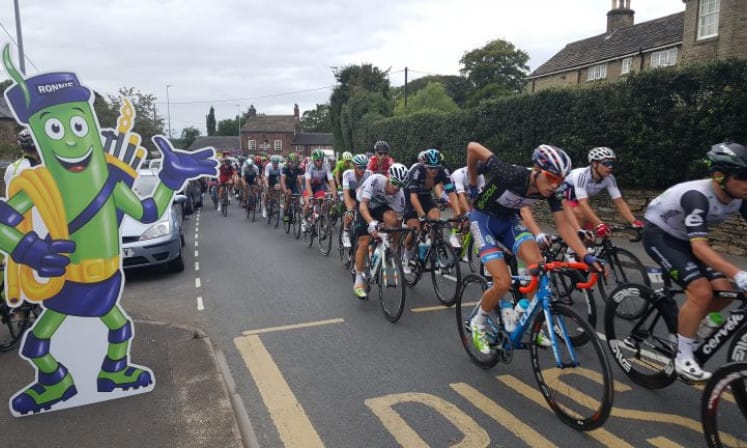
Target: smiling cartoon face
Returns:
[68, 138]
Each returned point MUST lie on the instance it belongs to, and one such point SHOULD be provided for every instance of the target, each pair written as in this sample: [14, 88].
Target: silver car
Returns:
[157, 243]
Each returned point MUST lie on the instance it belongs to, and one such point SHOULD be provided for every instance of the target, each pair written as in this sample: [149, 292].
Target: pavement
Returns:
[190, 406]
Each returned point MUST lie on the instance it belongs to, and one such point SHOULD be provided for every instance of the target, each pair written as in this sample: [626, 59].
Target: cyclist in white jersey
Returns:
[29, 159]
[319, 181]
[675, 235]
[352, 179]
[584, 183]
[460, 179]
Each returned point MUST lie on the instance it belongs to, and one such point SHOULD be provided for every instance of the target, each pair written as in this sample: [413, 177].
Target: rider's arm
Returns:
[587, 212]
[363, 210]
[695, 207]
[570, 216]
[475, 153]
[567, 232]
[624, 209]
[282, 183]
[528, 219]
[415, 202]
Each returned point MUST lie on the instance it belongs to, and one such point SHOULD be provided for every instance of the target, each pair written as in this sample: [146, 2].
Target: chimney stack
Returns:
[295, 111]
[620, 16]
[252, 112]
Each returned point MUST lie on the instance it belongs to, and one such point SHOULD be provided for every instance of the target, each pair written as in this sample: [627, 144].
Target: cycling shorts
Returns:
[320, 191]
[675, 256]
[225, 180]
[361, 226]
[426, 201]
[494, 234]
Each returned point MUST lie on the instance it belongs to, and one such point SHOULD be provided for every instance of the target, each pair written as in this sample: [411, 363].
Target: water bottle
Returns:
[522, 270]
[423, 246]
[508, 316]
[710, 324]
[521, 308]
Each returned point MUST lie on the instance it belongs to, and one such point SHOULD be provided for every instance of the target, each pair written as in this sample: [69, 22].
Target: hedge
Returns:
[660, 123]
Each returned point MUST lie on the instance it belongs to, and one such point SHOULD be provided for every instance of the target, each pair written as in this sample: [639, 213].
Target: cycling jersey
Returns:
[505, 192]
[225, 172]
[273, 173]
[417, 180]
[340, 167]
[318, 176]
[380, 165]
[460, 179]
[581, 185]
[291, 178]
[350, 182]
[249, 173]
[685, 210]
[373, 190]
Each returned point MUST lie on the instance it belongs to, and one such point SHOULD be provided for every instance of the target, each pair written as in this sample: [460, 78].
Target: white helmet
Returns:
[552, 159]
[601, 153]
[398, 172]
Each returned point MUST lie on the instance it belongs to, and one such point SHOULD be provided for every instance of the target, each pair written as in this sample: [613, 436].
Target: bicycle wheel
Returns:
[275, 216]
[251, 212]
[737, 353]
[468, 301]
[643, 347]
[13, 323]
[346, 253]
[472, 261]
[288, 218]
[324, 234]
[622, 267]
[725, 420]
[308, 235]
[296, 218]
[414, 265]
[563, 287]
[445, 273]
[224, 202]
[268, 210]
[391, 286]
[579, 392]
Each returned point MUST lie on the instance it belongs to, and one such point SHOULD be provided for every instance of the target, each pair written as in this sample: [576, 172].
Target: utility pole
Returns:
[405, 88]
[19, 38]
[238, 125]
[168, 108]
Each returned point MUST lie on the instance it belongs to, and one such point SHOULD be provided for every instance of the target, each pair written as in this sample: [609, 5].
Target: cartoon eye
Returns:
[79, 126]
[53, 128]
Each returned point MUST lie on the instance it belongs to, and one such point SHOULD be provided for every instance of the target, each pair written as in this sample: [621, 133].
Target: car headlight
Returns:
[163, 228]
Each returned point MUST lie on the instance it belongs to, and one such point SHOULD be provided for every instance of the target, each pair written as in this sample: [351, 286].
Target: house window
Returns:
[252, 145]
[278, 145]
[627, 65]
[664, 58]
[596, 72]
[708, 18]
[299, 148]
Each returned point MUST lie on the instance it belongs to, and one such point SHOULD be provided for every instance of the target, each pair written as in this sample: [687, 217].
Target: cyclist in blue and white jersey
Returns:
[380, 199]
[502, 217]
[675, 235]
[352, 179]
[273, 171]
[584, 183]
[319, 181]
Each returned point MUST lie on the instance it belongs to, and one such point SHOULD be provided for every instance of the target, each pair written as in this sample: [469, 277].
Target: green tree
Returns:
[433, 97]
[497, 69]
[356, 80]
[210, 122]
[317, 120]
[359, 112]
[457, 87]
[189, 135]
[228, 128]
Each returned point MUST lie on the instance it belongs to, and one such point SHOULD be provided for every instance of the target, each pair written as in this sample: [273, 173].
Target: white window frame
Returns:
[664, 58]
[596, 72]
[627, 65]
[708, 16]
[277, 145]
[252, 145]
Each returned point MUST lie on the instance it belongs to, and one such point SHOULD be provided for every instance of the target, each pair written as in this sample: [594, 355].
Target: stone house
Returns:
[279, 134]
[708, 30]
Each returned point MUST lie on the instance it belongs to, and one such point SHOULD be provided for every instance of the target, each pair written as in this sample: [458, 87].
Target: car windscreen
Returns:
[144, 185]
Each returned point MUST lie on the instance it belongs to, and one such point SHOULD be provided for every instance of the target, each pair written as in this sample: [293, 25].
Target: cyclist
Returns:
[249, 175]
[380, 162]
[509, 193]
[675, 235]
[586, 182]
[461, 184]
[273, 170]
[419, 161]
[290, 180]
[345, 163]
[351, 180]
[425, 181]
[316, 173]
[29, 159]
[380, 199]
[225, 177]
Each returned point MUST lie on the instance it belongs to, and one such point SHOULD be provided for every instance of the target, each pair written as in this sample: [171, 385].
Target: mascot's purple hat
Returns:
[43, 91]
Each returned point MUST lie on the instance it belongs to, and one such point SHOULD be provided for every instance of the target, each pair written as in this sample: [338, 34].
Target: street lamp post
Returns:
[238, 124]
[168, 108]
[19, 38]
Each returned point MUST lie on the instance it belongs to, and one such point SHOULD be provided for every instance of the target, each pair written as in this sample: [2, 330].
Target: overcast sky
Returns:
[233, 53]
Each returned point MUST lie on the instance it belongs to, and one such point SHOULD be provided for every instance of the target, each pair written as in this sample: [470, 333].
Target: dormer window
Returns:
[708, 18]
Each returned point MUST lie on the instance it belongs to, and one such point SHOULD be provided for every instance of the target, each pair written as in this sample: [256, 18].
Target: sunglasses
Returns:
[552, 177]
[607, 163]
[360, 167]
[431, 167]
[396, 183]
[381, 153]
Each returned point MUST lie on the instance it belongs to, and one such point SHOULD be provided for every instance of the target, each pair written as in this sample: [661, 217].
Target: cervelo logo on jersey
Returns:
[694, 219]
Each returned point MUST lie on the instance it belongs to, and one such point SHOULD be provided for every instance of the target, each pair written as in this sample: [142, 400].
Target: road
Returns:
[316, 367]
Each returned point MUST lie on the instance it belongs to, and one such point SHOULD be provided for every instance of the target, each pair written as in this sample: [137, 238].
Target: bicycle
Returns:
[14, 321]
[273, 208]
[562, 372]
[723, 407]
[641, 329]
[384, 268]
[319, 226]
[224, 200]
[214, 194]
[292, 216]
[621, 265]
[467, 252]
[347, 254]
[251, 207]
[439, 259]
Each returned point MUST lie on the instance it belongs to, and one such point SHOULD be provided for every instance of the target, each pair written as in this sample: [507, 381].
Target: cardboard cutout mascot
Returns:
[81, 190]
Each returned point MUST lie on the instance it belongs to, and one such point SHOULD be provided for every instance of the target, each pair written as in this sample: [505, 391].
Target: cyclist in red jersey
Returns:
[380, 162]
[225, 176]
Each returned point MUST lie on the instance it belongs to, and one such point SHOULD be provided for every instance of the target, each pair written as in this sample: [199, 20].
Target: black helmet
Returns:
[25, 141]
[381, 146]
[728, 158]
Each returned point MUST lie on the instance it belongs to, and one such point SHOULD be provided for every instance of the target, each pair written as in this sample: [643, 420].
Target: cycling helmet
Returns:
[728, 158]
[292, 158]
[318, 154]
[432, 157]
[601, 153]
[249, 162]
[421, 156]
[552, 159]
[381, 146]
[275, 160]
[25, 141]
[347, 156]
[398, 172]
[360, 160]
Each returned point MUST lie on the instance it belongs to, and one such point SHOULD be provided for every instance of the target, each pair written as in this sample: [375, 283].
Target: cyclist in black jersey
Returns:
[675, 235]
[290, 180]
[508, 195]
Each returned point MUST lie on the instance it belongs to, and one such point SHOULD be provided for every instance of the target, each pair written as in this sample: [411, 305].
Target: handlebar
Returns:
[536, 269]
[629, 228]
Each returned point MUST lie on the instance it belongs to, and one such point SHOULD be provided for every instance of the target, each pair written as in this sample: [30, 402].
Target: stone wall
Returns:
[728, 237]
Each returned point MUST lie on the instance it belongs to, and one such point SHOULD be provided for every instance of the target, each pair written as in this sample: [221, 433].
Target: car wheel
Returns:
[176, 265]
